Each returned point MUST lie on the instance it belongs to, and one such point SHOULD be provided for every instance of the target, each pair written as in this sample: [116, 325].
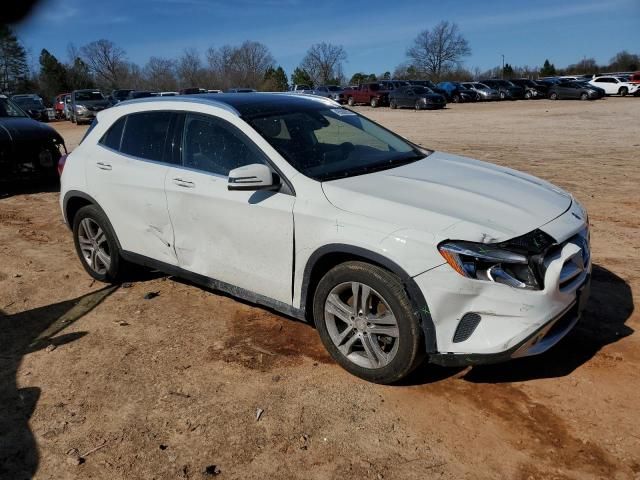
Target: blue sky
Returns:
[374, 33]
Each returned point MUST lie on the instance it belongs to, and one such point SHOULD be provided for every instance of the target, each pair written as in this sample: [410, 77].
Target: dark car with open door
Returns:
[532, 90]
[27, 147]
[506, 89]
[33, 105]
[416, 96]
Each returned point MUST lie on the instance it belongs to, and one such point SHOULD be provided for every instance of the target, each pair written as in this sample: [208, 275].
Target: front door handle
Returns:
[103, 166]
[183, 183]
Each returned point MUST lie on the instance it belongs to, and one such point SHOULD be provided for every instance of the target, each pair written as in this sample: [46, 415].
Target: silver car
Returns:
[483, 92]
[330, 91]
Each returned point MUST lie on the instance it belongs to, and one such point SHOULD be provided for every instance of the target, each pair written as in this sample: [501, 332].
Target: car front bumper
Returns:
[511, 322]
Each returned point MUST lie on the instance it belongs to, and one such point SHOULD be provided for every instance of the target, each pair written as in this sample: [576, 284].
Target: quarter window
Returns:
[113, 136]
[212, 145]
[145, 135]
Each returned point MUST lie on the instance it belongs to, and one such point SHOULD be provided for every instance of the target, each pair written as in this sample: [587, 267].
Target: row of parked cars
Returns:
[425, 94]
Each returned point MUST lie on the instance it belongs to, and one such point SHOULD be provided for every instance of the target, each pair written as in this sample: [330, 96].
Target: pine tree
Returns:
[301, 77]
[13, 60]
[53, 75]
[548, 69]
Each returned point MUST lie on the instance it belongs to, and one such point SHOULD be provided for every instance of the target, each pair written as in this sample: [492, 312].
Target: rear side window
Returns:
[113, 136]
[145, 135]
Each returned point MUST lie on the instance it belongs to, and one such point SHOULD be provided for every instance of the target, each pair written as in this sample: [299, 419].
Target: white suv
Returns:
[396, 253]
[615, 85]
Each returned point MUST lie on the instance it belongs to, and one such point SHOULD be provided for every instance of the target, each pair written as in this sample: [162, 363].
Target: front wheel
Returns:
[393, 104]
[351, 102]
[503, 95]
[527, 95]
[418, 105]
[456, 99]
[373, 102]
[554, 96]
[584, 96]
[366, 322]
[624, 91]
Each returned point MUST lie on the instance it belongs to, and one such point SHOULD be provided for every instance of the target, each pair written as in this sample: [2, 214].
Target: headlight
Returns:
[514, 263]
[80, 108]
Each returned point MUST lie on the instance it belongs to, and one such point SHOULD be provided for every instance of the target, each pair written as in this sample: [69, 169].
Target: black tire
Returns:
[456, 98]
[554, 96]
[584, 96]
[418, 105]
[624, 91]
[373, 102]
[73, 119]
[393, 104]
[409, 351]
[527, 95]
[351, 102]
[503, 96]
[117, 265]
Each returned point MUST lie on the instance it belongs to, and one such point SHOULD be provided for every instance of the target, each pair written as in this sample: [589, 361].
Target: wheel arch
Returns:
[329, 256]
[74, 200]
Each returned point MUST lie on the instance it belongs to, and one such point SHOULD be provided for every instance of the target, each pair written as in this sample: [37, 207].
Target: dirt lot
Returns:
[167, 387]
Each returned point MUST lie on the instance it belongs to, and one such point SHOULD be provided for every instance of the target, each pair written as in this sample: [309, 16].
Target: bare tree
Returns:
[190, 70]
[241, 66]
[323, 61]
[439, 50]
[106, 61]
[160, 74]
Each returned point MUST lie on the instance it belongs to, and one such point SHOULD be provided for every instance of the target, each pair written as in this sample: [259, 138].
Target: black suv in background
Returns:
[118, 96]
[531, 88]
[506, 89]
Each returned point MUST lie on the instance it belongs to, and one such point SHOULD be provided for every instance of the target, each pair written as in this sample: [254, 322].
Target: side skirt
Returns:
[214, 284]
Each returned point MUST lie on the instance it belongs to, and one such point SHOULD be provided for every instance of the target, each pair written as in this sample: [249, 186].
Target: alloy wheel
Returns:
[94, 246]
[361, 325]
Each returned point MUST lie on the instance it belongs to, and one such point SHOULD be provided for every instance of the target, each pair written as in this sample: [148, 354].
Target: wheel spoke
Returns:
[355, 289]
[93, 260]
[346, 347]
[372, 349]
[343, 335]
[100, 236]
[386, 318]
[338, 308]
[104, 258]
[388, 330]
[365, 292]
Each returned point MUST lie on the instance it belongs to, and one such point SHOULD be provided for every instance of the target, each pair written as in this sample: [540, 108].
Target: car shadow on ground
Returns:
[23, 333]
[22, 187]
[603, 323]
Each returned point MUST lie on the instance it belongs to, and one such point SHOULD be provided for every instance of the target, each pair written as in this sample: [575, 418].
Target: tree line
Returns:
[435, 54]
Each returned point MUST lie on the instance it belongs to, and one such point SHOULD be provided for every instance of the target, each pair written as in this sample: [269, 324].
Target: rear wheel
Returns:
[503, 95]
[393, 104]
[527, 94]
[366, 322]
[584, 96]
[350, 102]
[418, 105]
[373, 102]
[96, 244]
[624, 91]
[554, 96]
[456, 98]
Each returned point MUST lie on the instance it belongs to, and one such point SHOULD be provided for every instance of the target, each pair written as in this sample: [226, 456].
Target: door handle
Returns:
[183, 183]
[103, 166]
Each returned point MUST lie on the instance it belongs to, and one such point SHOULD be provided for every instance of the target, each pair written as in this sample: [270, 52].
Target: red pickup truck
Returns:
[372, 94]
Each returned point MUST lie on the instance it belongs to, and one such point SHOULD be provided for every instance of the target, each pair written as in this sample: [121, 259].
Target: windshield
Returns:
[333, 88]
[481, 86]
[10, 109]
[84, 96]
[420, 90]
[329, 143]
[28, 103]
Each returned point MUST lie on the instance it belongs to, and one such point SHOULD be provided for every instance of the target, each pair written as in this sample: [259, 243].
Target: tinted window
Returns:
[113, 136]
[145, 135]
[87, 96]
[212, 145]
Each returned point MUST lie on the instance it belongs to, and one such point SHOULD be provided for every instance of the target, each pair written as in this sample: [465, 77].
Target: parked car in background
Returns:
[133, 94]
[484, 93]
[635, 78]
[506, 89]
[397, 254]
[393, 84]
[416, 96]
[585, 83]
[27, 147]
[33, 105]
[333, 92]
[212, 91]
[430, 85]
[120, 95]
[85, 104]
[457, 93]
[239, 90]
[67, 107]
[192, 91]
[300, 88]
[171, 94]
[58, 105]
[532, 90]
[372, 94]
[573, 90]
[615, 85]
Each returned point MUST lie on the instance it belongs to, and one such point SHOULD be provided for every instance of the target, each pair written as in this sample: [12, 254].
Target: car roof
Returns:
[243, 104]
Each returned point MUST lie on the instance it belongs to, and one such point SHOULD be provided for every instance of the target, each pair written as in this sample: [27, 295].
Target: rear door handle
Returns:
[103, 166]
[183, 183]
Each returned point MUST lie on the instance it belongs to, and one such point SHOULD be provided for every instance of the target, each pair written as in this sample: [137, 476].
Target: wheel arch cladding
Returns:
[328, 256]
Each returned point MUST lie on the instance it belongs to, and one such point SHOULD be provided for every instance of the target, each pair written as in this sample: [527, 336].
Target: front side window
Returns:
[329, 143]
[145, 135]
[214, 146]
[10, 109]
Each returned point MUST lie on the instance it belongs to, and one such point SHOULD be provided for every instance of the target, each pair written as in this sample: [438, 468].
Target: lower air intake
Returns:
[466, 327]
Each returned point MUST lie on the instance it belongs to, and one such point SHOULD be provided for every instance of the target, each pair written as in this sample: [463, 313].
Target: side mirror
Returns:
[256, 176]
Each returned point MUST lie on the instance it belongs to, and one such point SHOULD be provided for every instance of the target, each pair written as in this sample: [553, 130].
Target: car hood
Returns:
[93, 103]
[452, 197]
[26, 129]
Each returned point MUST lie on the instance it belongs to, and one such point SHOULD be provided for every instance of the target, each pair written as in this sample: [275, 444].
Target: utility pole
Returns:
[502, 76]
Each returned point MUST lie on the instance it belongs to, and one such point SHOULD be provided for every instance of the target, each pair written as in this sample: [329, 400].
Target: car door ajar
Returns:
[241, 238]
[126, 175]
